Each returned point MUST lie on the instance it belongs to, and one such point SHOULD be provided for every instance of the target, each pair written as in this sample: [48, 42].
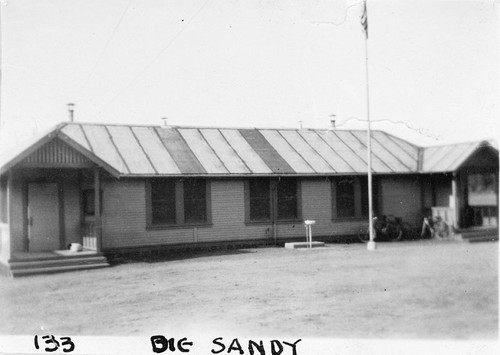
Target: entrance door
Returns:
[43, 217]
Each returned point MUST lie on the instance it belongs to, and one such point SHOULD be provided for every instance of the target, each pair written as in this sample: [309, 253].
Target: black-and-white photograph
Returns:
[261, 177]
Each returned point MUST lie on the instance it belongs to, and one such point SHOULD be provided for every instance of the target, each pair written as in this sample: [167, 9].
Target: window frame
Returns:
[164, 200]
[360, 211]
[180, 221]
[273, 198]
[85, 201]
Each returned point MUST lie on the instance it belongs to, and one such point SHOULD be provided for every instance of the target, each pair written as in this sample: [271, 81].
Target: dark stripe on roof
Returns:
[266, 151]
[180, 152]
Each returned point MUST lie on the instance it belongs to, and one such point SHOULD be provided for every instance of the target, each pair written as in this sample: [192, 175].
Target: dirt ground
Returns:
[419, 289]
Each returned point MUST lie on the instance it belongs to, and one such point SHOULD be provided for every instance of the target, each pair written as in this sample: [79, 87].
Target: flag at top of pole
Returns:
[364, 19]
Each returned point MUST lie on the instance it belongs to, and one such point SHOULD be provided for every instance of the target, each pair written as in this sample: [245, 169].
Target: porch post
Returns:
[6, 222]
[455, 200]
[97, 210]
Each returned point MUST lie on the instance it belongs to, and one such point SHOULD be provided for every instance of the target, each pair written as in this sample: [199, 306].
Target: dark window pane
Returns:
[195, 201]
[345, 197]
[163, 201]
[287, 199]
[88, 202]
[260, 198]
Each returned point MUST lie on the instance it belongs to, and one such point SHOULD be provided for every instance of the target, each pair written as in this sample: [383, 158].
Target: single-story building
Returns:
[117, 188]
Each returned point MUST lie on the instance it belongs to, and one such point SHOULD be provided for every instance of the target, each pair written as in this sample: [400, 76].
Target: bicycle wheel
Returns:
[394, 232]
[364, 235]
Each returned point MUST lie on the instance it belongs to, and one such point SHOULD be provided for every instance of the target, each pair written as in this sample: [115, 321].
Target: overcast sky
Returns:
[433, 65]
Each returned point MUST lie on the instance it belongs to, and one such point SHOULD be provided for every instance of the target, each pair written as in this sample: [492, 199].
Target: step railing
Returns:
[89, 238]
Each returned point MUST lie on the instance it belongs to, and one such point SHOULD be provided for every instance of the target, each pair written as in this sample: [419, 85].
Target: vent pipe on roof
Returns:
[332, 122]
[165, 123]
[301, 126]
[71, 110]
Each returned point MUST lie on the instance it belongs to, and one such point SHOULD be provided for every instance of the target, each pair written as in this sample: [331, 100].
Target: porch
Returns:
[49, 199]
[34, 263]
[486, 229]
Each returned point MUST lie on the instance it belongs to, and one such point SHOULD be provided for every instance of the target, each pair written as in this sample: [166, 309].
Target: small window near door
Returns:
[88, 202]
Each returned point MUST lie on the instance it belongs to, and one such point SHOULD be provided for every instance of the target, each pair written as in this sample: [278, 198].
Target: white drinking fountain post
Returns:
[308, 224]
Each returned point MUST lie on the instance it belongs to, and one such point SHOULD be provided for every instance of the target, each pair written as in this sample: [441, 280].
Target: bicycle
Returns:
[385, 228]
[435, 228]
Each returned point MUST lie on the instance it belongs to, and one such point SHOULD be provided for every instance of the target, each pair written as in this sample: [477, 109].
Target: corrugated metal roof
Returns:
[448, 158]
[130, 150]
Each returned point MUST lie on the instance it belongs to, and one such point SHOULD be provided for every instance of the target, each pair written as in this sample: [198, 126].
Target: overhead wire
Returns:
[346, 13]
[101, 56]
[160, 53]
[381, 120]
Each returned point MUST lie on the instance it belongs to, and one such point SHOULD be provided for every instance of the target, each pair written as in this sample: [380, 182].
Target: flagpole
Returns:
[371, 244]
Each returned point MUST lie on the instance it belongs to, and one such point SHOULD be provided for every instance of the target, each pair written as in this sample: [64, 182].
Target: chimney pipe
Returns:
[301, 126]
[332, 122]
[71, 109]
[165, 121]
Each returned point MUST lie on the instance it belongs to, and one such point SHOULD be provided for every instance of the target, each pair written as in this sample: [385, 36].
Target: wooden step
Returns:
[43, 263]
[483, 239]
[55, 269]
[55, 256]
[479, 235]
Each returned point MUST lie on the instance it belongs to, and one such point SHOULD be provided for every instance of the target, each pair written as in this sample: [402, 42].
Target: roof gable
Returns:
[451, 157]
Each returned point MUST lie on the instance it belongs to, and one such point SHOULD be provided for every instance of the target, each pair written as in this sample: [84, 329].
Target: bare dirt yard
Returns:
[419, 289]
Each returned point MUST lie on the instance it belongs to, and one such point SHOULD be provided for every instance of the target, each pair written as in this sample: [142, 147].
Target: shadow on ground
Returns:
[152, 257]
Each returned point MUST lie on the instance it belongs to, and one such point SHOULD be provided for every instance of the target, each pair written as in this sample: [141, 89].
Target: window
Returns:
[260, 200]
[195, 201]
[345, 198]
[88, 202]
[287, 199]
[163, 201]
[172, 202]
[260, 196]
[350, 197]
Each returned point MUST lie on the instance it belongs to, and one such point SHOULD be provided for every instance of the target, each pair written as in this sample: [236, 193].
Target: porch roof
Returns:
[450, 157]
[132, 150]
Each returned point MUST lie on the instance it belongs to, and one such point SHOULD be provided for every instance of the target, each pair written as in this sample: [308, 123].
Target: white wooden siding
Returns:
[228, 214]
[124, 220]
[401, 198]
[317, 205]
